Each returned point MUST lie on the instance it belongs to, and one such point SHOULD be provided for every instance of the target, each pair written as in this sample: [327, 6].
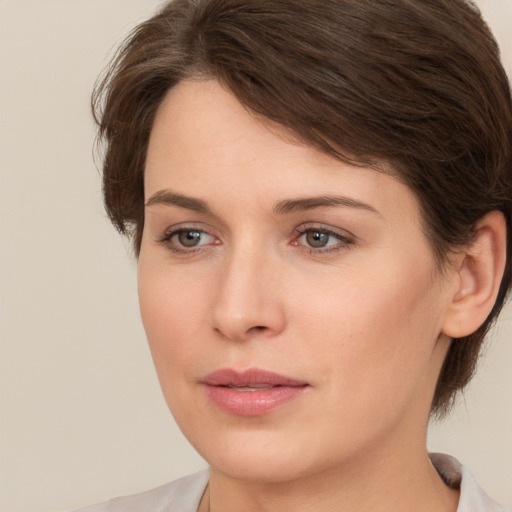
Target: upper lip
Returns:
[247, 378]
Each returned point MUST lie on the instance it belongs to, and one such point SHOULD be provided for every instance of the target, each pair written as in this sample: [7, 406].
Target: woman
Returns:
[319, 194]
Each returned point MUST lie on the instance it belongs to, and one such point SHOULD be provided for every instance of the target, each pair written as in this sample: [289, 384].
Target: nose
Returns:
[249, 302]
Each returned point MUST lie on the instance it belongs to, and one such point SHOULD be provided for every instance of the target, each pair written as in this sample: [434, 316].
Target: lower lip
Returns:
[252, 403]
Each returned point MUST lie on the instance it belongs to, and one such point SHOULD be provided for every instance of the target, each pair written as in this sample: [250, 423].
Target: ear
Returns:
[479, 267]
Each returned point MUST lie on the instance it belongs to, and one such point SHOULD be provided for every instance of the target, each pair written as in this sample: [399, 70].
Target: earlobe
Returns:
[480, 270]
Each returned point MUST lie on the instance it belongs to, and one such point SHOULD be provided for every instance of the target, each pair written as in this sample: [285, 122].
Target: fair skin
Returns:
[260, 252]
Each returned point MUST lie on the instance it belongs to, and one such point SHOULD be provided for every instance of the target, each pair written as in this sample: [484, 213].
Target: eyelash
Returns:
[167, 241]
[344, 242]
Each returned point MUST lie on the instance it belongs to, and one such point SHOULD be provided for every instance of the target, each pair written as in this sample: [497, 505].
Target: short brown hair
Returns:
[417, 84]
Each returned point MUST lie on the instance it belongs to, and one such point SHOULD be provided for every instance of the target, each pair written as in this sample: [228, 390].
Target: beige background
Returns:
[81, 414]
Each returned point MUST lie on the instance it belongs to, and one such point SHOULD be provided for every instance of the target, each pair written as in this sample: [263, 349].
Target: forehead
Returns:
[205, 142]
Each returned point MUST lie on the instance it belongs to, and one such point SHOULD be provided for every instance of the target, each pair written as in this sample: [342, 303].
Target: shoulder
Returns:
[182, 495]
[472, 497]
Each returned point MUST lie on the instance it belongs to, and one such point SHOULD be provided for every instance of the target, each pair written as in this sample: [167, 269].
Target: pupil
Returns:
[189, 238]
[317, 239]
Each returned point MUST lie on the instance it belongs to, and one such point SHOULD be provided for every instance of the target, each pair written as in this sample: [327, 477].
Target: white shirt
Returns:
[184, 495]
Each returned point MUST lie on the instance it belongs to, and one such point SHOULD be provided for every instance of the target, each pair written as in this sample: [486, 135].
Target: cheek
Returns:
[375, 332]
[174, 321]
[173, 312]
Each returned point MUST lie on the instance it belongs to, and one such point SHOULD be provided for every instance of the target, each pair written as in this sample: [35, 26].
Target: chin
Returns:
[260, 456]
[257, 467]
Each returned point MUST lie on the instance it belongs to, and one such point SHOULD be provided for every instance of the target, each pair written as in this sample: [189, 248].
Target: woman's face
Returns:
[291, 302]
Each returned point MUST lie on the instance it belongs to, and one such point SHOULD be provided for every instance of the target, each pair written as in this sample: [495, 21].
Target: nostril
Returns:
[257, 328]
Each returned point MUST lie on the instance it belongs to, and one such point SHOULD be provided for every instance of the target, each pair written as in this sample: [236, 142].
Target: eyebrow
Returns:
[169, 198]
[309, 203]
[166, 197]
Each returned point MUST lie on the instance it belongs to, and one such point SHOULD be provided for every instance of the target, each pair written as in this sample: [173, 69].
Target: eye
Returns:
[184, 240]
[188, 238]
[321, 240]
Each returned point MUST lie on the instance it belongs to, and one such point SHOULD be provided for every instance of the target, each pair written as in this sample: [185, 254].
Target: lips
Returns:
[253, 392]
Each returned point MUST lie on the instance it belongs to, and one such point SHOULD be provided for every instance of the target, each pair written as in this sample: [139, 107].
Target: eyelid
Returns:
[326, 228]
[171, 231]
[186, 226]
[346, 239]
